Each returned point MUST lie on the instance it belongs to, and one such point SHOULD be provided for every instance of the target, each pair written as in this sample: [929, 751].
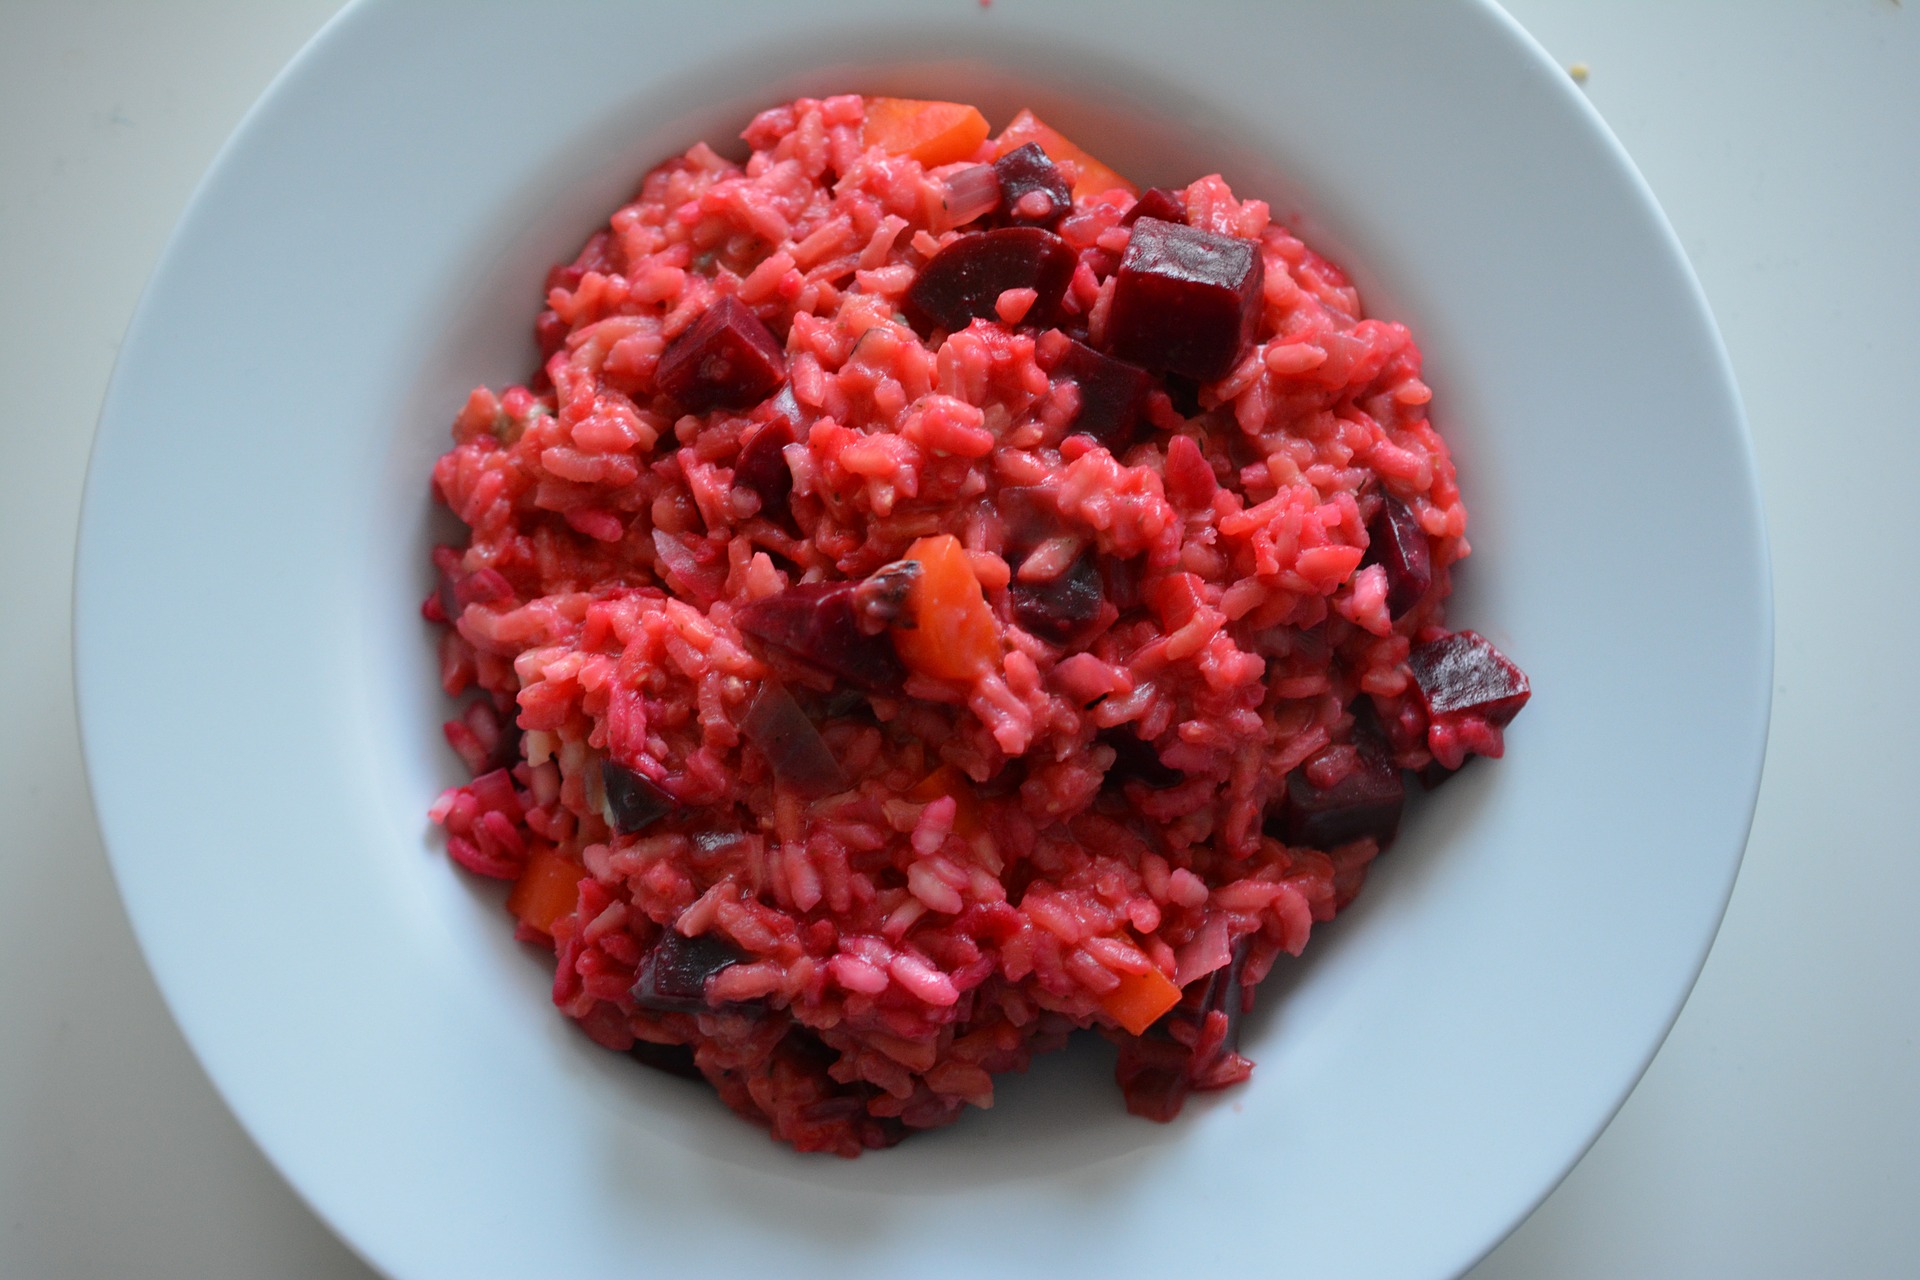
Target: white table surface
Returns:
[1777, 1132]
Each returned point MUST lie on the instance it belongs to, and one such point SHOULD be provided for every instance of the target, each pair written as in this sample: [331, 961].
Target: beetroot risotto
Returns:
[935, 596]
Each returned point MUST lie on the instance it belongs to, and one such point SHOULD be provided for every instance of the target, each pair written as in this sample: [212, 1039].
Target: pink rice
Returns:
[895, 957]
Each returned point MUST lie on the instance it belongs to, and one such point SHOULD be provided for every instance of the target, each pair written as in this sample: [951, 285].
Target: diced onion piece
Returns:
[972, 193]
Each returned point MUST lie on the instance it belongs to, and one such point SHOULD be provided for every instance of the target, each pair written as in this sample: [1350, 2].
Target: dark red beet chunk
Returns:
[673, 975]
[817, 623]
[674, 1059]
[1396, 542]
[1185, 301]
[1029, 515]
[1471, 691]
[1163, 203]
[634, 802]
[1136, 758]
[763, 468]
[1366, 802]
[1064, 608]
[965, 279]
[727, 359]
[1032, 192]
[1121, 578]
[1113, 395]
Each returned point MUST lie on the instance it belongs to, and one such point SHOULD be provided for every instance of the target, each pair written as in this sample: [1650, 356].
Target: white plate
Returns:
[260, 712]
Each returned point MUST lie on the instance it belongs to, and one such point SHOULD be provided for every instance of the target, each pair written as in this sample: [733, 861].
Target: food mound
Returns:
[932, 597]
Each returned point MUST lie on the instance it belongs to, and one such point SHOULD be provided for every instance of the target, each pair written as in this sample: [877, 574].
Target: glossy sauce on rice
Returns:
[865, 702]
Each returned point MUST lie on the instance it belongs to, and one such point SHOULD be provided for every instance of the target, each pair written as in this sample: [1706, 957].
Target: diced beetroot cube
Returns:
[1063, 609]
[1163, 203]
[1032, 192]
[634, 801]
[673, 975]
[1365, 802]
[963, 281]
[1121, 578]
[1113, 395]
[1185, 300]
[1134, 757]
[1029, 515]
[727, 359]
[1397, 543]
[1471, 691]
[674, 1059]
[763, 468]
[818, 623]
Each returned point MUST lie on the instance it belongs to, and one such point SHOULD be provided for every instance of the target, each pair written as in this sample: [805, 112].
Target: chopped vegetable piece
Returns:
[634, 801]
[674, 972]
[1136, 758]
[674, 1059]
[934, 133]
[1185, 300]
[1365, 802]
[1029, 516]
[1094, 177]
[799, 756]
[1157, 202]
[1032, 192]
[971, 193]
[1113, 395]
[954, 635]
[1397, 543]
[1062, 610]
[1158, 1070]
[1471, 691]
[763, 469]
[548, 889]
[1140, 999]
[968, 820]
[818, 622]
[727, 359]
[964, 281]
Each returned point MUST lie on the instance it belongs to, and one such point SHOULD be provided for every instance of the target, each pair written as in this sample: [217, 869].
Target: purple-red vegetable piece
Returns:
[727, 359]
[1157, 202]
[1113, 395]
[1367, 801]
[1065, 608]
[674, 972]
[674, 1059]
[634, 801]
[1135, 758]
[1184, 300]
[1470, 691]
[1032, 192]
[763, 469]
[963, 281]
[787, 737]
[1397, 543]
[818, 623]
